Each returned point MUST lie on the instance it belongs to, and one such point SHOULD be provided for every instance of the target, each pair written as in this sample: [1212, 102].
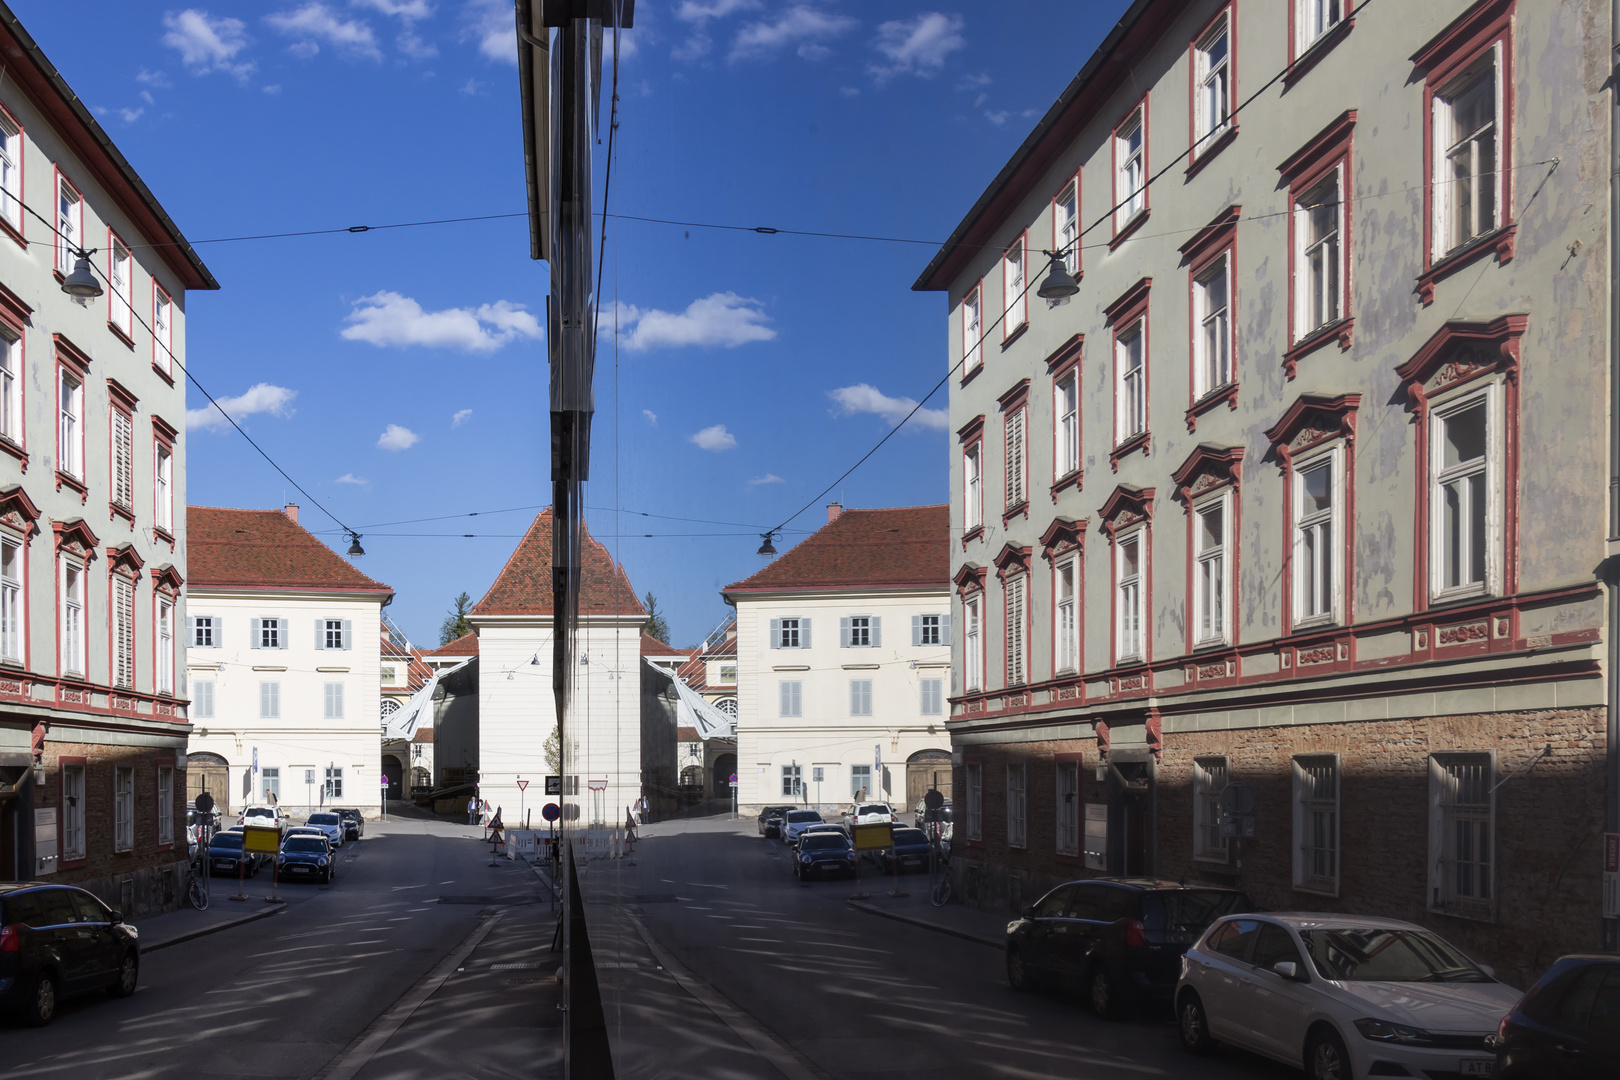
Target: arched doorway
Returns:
[725, 766]
[927, 769]
[394, 772]
[210, 773]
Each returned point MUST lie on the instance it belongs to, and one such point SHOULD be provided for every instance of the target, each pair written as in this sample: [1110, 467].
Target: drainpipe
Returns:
[1611, 800]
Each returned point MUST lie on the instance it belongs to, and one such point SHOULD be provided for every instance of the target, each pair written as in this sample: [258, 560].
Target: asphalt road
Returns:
[854, 995]
[286, 996]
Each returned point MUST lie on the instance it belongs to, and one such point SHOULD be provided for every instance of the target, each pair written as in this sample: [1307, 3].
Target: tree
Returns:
[656, 626]
[456, 624]
[553, 748]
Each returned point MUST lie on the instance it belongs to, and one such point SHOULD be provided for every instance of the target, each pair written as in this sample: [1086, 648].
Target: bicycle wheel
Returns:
[197, 895]
[942, 889]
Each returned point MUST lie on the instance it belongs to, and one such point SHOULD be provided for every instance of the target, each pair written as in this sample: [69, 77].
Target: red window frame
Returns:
[975, 348]
[1214, 240]
[1136, 221]
[1010, 332]
[1121, 317]
[971, 436]
[123, 563]
[166, 585]
[1078, 760]
[1208, 471]
[1126, 511]
[164, 436]
[1011, 403]
[126, 334]
[1332, 148]
[57, 247]
[15, 315]
[71, 358]
[1062, 541]
[176, 822]
[162, 352]
[120, 401]
[1074, 181]
[15, 231]
[969, 582]
[1301, 62]
[1314, 421]
[1013, 564]
[1195, 159]
[1064, 364]
[18, 503]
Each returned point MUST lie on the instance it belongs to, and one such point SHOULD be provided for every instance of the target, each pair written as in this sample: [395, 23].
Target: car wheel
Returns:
[1019, 977]
[129, 973]
[40, 1007]
[1194, 1025]
[1104, 995]
[1326, 1057]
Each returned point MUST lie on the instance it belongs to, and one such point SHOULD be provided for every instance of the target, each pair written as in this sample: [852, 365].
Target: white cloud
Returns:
[350, 478]
[259, 398]
[715, 438]
[974, 82]
[315, 23]
[848, 92]
[723, 318]
[917, 46]
[146, 96]
[274, 89]
[472, 88]
[206, 43]
[702, 10]
[862, 398]
[768, 478]
[396, 438]
[696, 46]
[803, 28]
[129, 116]
[404, 9]
[652, 417]
[387, 318]
[461, 417]
[153, 78]
[490, 24]
[412, 45]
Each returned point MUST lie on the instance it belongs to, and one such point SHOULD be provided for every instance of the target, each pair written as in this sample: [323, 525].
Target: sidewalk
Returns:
[186, 922]
[956, 919]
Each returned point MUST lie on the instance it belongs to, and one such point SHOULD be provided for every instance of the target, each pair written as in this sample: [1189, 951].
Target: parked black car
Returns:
[822, 854]
[770, 820]
[1119, 940]
[910, 852]
[354, 824]
[1567, 1025]
[225, 856]
[57, 941]
[305, 855]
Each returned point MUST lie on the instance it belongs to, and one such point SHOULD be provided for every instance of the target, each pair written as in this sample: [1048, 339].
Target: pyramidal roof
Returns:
[523, 586]
[898, 547]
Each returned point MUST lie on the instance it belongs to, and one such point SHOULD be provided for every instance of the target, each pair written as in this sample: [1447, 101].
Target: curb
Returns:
[873, 909]
[216, 928]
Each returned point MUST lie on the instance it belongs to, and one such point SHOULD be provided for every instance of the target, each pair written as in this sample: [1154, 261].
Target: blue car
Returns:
[824, 854]
[910, 852]
[225, 857]
[305, 857]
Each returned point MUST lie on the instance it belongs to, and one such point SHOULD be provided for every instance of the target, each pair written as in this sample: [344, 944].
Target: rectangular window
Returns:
[202, 699]
[1128, 585]
[1313, 18]
[1065, 626]
[1016, 490]
[1130, 169]
[270, 634]
[728, 674]
[1068, 808]
[972, 330]
[269, 701]
[1013, 629]
[860, 781]
[165, 643]
[334, 701]
[163, 489]
[334, 634]
[1463, 496]
[72, 812]
[792, 781]
[972, 488]
[123, 591]
[165, 804]
[789, 634]
[1130, 389]
[69, 225]
[1316, 823]
[1210, 580]
[930, 630]
[13, 612]
[123, 459]
[11, 385]
[1015, 301]
[1468, 179]
[162, 329]
[1317, 566]
[860, 632]
[1017, 805]
[933, 697]
[1066, 428]
[1066, 225]
[70, 439]
[1461, 828]
[123, 808]
[972, 654]
[1212, 94]
[204, 632]
[120, 271]
[974, 775]
[11, 159]
[790, 697]
[1212, 337]
[1209, 780]
[334, 783]
[72, 618]
[860, 697]
[1319, 260]
[270, 782]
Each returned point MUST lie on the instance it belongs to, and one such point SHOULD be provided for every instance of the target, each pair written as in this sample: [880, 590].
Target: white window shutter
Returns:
[320, 633]
[776, 633]
[253, 629]
[283, 632]
[348, 633]
[916, 630]
[782, 704]
[804, 633]
[945, 629]
[877, 631]
[191, 630]
[843, 631]
[219, 631]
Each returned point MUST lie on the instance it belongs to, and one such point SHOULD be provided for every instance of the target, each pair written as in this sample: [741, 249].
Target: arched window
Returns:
[727, 705]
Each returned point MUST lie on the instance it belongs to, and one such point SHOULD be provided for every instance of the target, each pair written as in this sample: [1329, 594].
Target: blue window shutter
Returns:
[253, 629]
[804, 633]
[320, 633]
[877, 631]
[945, 629]
[843, 631]
[916, 629]
[776, 633]
[348, 633]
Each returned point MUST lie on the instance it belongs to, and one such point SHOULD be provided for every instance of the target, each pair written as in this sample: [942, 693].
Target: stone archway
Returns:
[927, 769]
[394, 772]
[210, 773]
[724, 767]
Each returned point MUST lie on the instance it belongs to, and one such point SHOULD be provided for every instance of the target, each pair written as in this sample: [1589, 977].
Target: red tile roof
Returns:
[523, 586]
[695, 672]
[264, 548]
[465, 645]
[687, 734]
[903, 547]
[651, 646]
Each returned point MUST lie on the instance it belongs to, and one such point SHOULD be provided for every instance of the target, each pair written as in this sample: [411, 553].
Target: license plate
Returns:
[1477, 1066]
[221, 864]
[300, 869]
[912, 860]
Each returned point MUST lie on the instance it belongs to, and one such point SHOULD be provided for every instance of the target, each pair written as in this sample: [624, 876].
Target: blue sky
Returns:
[401, 374]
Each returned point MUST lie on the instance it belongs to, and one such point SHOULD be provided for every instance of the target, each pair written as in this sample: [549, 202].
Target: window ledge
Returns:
[64, 480]
[1226, 393]
[1334, 331]
[160, 533]
[1136, 442]
[972, 372]
[1216, 145]
[119, 333]
[1017, 332]
[1318, 49]
[1214, 860]
[1500, 241]
[1019, 508]
[15, 451]
[975, 533]
[1459, 595]
[1458, 912]
[124, 512]
[1123, 234]
[1071, 479]
[167, 377]
[1317, 890]
[16, 234]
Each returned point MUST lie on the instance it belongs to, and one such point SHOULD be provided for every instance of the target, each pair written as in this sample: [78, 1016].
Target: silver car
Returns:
[794, 822]
[330, 824]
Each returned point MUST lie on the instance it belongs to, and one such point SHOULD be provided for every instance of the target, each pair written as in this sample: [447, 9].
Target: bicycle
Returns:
[197, 891]
[940, 868]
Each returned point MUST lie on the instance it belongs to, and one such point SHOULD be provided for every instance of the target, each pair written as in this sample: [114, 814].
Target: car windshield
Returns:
[910, 836]
[232, 840]
[815, 841]
[323, 819]
[798, 817]
[1377, 955]
[1190, 909]
[312, 845]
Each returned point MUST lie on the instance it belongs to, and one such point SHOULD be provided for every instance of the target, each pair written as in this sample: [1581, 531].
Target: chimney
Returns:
[833, 510]
[291, 510]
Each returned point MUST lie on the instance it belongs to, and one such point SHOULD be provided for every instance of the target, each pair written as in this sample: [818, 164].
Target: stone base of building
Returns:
[141, 892]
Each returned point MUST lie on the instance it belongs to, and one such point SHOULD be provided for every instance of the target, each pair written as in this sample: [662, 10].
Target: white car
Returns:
[330, 824]
[794, 823]
[264, 817]
[870, 813]
[1341, 996]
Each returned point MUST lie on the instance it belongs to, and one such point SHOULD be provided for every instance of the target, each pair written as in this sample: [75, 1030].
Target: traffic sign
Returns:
[550, 811]
[523, 785]
[553, 785]
[383, 780]
[596, 785]
[1237, 798]
[932, 799]
[733, 778]
[204, 803]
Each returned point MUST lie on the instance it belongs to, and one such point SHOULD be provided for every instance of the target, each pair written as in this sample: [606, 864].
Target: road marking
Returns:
[366, 1045]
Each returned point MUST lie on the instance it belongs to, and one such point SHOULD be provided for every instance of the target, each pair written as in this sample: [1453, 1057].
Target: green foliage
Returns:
[656, 626]
[455, 624]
